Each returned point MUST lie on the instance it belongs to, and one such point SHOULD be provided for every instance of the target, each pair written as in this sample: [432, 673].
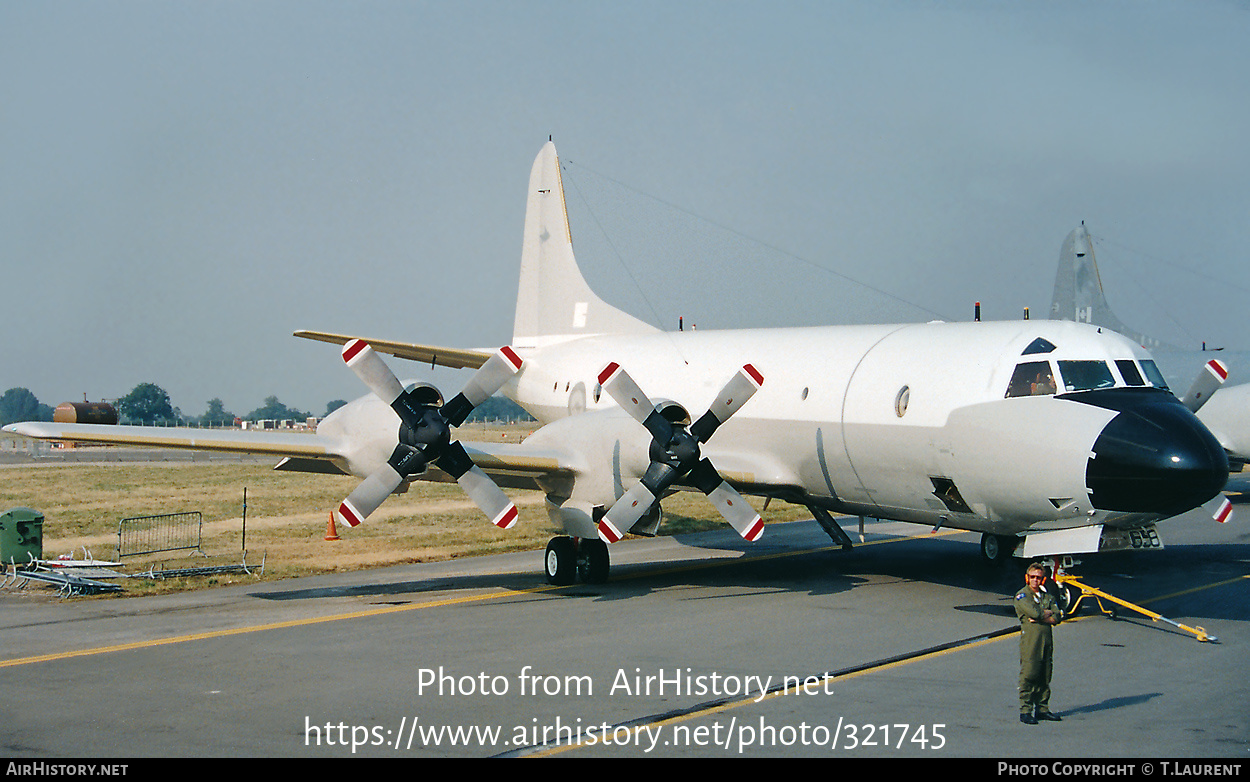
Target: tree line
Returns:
[149, 404]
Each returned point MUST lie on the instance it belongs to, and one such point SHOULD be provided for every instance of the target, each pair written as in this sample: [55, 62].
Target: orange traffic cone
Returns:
[331, 532]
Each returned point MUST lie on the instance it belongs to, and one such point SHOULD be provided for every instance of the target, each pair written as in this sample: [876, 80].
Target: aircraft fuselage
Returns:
[910, 422]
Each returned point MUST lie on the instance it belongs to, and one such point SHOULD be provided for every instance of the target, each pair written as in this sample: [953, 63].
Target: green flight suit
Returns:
[1036, 649]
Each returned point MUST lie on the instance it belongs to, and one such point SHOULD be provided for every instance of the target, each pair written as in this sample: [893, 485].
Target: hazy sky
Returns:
[183, 184]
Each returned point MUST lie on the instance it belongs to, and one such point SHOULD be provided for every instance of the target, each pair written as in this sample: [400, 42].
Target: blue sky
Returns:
[184, 184]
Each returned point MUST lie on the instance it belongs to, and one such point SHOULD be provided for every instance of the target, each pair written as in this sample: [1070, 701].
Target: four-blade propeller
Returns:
[675, 453]
[425, 434]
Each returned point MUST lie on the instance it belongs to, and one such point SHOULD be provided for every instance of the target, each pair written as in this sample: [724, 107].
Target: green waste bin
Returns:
[21, 535]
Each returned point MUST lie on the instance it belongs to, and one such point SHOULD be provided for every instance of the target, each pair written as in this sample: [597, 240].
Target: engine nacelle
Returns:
[576, 499]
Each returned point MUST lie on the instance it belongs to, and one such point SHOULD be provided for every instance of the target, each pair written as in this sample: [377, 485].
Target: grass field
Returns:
[287, 515]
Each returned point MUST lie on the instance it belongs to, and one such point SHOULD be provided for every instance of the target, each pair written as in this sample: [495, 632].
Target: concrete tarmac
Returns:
[903, 647]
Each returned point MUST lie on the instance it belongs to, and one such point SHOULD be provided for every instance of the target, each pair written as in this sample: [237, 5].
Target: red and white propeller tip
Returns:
[1209, 380]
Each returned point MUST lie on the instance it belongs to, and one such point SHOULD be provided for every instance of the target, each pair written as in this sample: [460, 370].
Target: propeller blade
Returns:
[487, 495]
[488, 379]
[622, 388]
[625, 513]
[1207, 383]
[366, 497]
[371, 369]
[477, 484]
[736, 510]
[732, 397]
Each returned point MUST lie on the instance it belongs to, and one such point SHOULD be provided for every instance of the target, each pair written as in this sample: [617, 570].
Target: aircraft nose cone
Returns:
[1155, 457]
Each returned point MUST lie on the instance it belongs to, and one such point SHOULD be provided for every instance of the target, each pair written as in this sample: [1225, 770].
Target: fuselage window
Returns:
[1031, 378]
[1128, 371]
[1085, 375]
[1153, 374]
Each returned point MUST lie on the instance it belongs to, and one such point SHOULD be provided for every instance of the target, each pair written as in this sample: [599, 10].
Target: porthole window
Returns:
[803, 396]
[901, 401]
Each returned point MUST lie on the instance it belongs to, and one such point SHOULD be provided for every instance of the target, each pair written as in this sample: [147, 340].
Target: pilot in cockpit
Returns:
[1043, 384]
[1033, 378]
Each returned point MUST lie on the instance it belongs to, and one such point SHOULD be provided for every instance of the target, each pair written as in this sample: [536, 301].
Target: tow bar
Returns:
[1064, 579]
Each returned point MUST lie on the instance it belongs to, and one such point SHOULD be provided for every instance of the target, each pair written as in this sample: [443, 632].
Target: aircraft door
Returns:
[897, 404]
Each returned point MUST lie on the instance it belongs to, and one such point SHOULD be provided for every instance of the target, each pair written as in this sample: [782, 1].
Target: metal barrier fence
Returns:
[166, 532]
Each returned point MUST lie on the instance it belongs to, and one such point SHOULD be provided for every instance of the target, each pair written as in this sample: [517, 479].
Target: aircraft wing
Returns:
[234, 441]
[511, 465]
[456, 358]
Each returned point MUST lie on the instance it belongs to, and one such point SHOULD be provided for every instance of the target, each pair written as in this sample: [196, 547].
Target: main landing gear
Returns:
[997, 549]
[568, 559]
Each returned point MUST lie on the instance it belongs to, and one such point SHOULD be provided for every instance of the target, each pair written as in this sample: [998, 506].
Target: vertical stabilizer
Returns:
[1079, 295]
[554, 303]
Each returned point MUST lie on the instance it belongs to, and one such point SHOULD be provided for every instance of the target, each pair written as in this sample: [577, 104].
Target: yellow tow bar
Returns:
[1099, 595]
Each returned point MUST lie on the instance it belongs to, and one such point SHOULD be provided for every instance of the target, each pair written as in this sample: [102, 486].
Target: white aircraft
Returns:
[1079, 296]
[1047, 437]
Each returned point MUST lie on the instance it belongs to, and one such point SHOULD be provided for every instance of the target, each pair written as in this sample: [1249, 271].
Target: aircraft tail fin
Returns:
[554, 303]
[1079, 294]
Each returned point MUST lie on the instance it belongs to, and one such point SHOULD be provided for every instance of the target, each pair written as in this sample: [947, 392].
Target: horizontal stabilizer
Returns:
[456, 358]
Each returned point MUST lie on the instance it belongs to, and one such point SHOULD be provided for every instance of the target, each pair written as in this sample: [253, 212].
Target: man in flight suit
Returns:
[1038, 612]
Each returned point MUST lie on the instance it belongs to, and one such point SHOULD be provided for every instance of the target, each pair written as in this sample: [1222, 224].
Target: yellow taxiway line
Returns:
[381, 611]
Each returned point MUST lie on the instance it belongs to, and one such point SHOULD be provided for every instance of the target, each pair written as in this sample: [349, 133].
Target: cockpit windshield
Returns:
[1036, 378]
[1128, 371]
[1031, 378]
[1153, 374]
[1085, 375]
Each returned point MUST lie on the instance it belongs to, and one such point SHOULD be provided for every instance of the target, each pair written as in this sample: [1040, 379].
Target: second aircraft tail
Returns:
[1079, 295]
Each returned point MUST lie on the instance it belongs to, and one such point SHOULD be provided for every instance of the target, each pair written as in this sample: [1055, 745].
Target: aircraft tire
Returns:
[995, 549]
[560, 561]
[1068, 598]
[593, 562]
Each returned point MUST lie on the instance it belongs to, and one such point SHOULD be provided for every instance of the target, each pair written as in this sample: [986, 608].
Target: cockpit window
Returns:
[1153, 374]
[1085, 375]
[1033, 377]
[1128, 371]
[1038, 345]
